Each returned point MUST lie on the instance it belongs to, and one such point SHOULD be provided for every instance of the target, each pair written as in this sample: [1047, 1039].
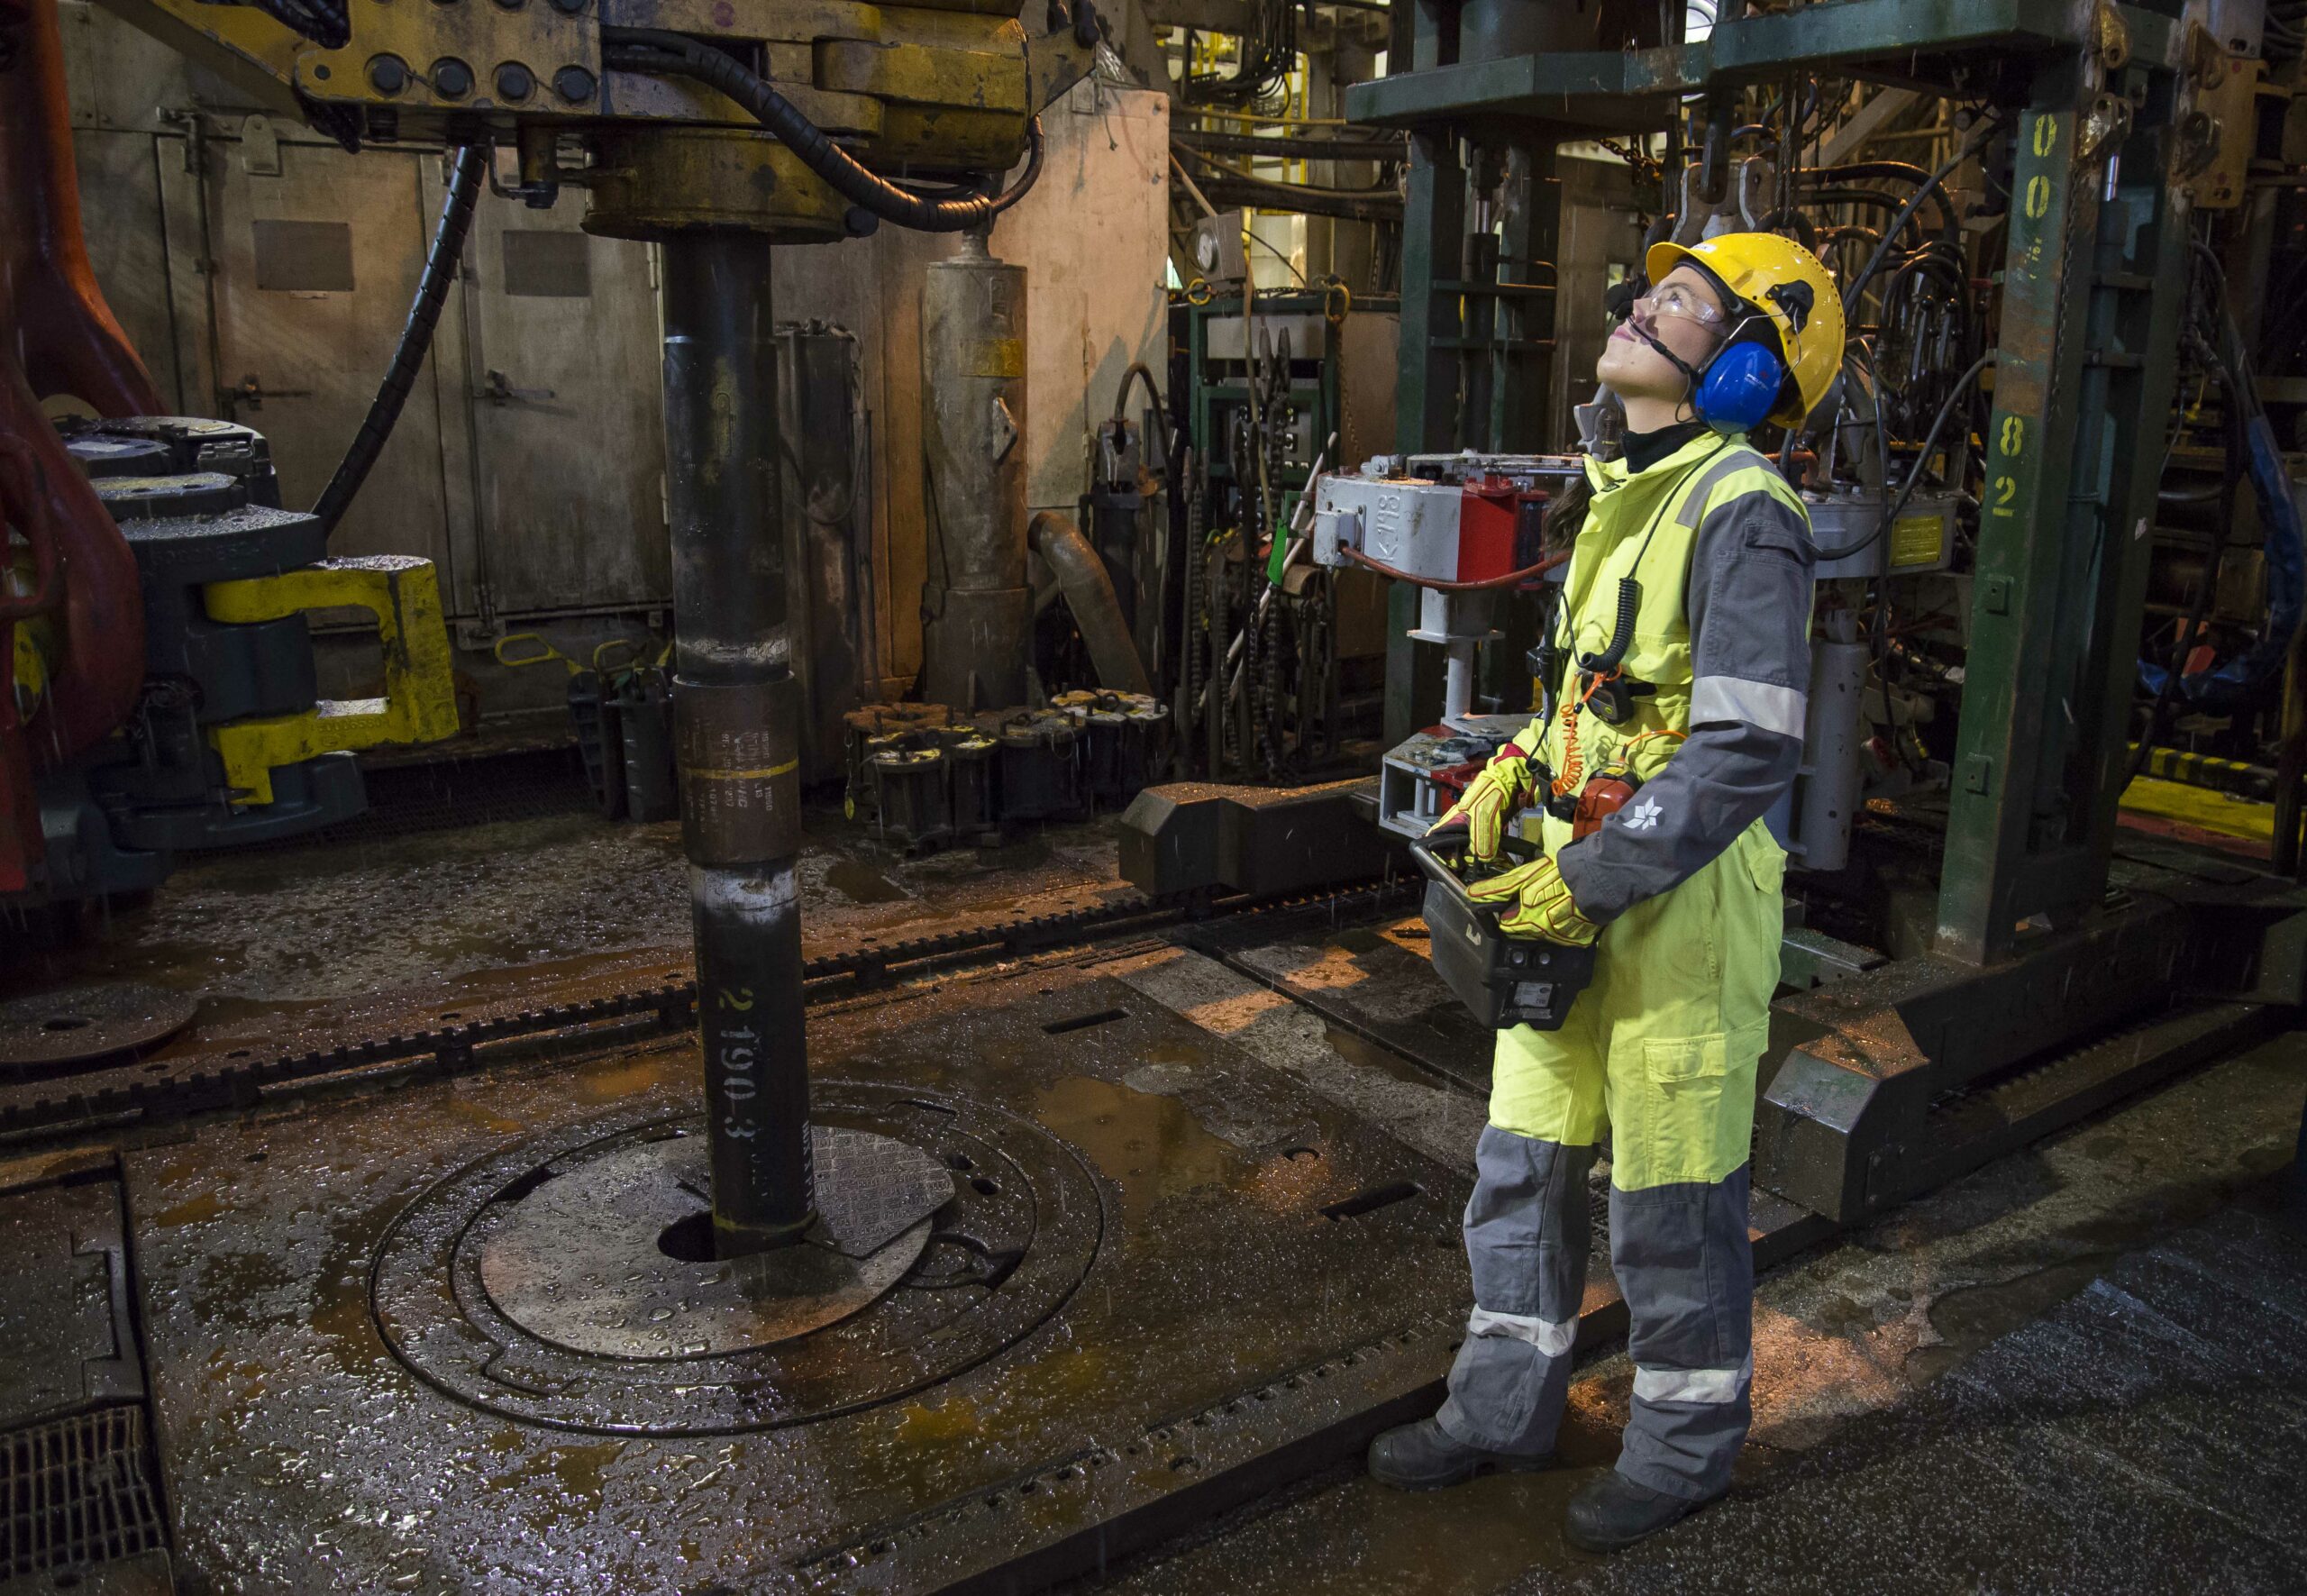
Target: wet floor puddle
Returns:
[860, 882]
[1149, 1144]
[1360, 1050]
[1971, 1317]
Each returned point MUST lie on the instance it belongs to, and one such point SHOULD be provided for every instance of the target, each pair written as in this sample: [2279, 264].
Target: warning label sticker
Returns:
[1917, 540]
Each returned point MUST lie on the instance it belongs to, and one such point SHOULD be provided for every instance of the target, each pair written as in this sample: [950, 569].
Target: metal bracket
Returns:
[251, 391]
[259, 147]
[496, 388]
[2110, 39]
[2105, 126]
[419, 704]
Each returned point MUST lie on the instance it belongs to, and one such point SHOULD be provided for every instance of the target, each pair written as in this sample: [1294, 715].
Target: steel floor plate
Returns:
[1273, 1279]
[1374, 980]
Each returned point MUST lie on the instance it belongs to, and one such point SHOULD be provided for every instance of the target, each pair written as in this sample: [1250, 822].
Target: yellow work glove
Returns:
[1501, 788]
[1544, 907]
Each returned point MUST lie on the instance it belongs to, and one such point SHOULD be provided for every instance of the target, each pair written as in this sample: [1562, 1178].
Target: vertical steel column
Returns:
[1524, 353]
[1425, 394]
[2082, 381]
[2291, 764]
[2022, 525]
[1530, 235]
[977, 630]
[2140, 281]
[1482, 370]
[1434, 225]
[736, 721]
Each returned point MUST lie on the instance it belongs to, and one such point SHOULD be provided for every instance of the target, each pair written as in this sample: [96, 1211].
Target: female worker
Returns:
[1682, 660]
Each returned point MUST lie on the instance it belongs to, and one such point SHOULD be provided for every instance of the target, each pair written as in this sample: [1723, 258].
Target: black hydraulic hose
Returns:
[1930, 441]
[1891, 172]
[651, 50]
[1794, 216]
[1161, 413]
[1849, 195]
[1122, 400]
[465, 178]
[323, 21]
[1879, 171]
[1923, 190]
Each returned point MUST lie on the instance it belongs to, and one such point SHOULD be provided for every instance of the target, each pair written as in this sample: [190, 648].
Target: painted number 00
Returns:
[2039, 188]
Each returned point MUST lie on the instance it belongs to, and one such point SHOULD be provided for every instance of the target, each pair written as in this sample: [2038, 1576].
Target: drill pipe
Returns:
[736, 710]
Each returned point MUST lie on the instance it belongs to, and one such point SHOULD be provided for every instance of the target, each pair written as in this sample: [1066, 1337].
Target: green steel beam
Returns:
[1529, 230]
[1522, 356]
[2144, 244]
[2015, 588]
[1425, 394]
[1901, 41]
[1434, 223]
[2095, 266]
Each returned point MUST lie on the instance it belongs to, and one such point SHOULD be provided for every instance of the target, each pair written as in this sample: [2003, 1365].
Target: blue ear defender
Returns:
[1739, 389]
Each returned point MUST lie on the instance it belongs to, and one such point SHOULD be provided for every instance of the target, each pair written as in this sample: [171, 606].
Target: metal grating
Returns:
[77, 1491]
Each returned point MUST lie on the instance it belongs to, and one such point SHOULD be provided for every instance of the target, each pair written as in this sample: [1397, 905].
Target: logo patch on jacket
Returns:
[1644, 815]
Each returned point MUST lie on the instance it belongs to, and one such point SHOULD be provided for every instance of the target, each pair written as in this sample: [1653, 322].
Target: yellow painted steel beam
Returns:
[419, 705]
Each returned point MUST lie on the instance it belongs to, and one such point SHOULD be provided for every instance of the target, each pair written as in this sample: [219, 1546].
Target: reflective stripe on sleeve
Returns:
[1547, 1335]
[1727, 697]
[1694, 1385]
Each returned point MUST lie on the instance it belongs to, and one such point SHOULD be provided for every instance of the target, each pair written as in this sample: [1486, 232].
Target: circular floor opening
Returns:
[568, 1279]
[688, 1240]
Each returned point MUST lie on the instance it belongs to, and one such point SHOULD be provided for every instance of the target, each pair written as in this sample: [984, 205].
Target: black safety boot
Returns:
[1423, 1456]
[1611, 1513]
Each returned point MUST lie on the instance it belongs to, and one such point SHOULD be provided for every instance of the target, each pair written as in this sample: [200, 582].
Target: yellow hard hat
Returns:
[1786, 282]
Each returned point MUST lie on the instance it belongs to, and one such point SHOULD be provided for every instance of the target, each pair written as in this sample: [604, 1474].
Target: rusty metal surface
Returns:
[303, 1454]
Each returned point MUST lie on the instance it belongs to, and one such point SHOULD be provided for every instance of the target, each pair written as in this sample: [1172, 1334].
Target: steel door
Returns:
[566, 458]
[313, 270]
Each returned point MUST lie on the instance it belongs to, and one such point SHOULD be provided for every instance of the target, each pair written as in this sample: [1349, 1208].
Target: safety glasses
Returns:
[1673, 299]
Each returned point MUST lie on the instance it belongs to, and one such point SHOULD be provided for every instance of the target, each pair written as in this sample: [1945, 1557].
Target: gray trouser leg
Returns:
[1527, 1236]
[1688, 1272]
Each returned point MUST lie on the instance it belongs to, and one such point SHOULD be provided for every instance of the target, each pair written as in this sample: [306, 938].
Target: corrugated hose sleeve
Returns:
[651, 50]
[465, 179]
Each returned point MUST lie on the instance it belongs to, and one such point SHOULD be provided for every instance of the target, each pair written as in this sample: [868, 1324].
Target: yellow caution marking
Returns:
[2219, 813]
[761, 775]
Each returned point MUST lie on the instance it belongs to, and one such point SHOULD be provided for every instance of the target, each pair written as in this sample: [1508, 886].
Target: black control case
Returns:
[1506, 980]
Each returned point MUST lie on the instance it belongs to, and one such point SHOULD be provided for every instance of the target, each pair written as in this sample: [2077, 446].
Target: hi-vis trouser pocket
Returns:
[1697, 1109]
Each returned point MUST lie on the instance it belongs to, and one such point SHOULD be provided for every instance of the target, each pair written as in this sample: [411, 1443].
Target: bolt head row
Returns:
[452, 79]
